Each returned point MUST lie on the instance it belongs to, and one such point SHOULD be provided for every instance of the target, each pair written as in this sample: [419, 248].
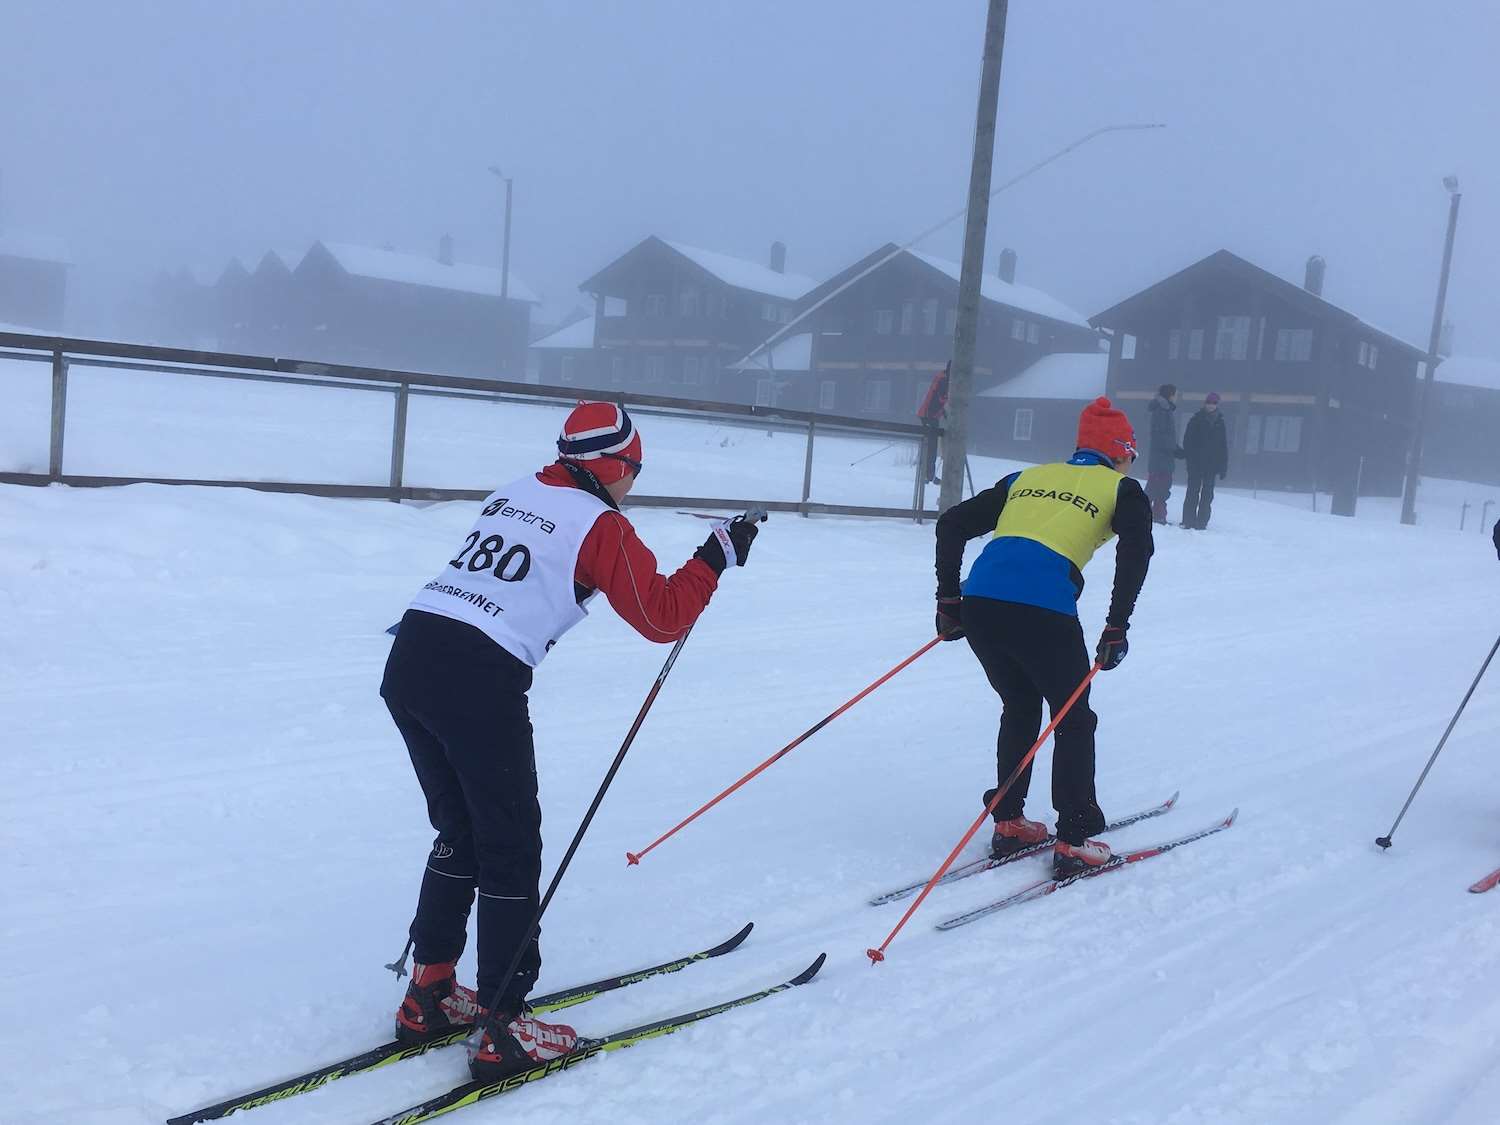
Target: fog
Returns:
[179, 134]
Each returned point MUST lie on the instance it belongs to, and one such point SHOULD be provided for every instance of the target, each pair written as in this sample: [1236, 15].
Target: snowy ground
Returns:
[213, 840]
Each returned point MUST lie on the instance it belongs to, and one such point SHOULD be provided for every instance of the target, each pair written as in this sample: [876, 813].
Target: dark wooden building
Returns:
[872, 350]
[33, 283]
[1463, 421]
[670, 318]
[1314, 397]
[358, 305]
[1034, 417]
[565, 357]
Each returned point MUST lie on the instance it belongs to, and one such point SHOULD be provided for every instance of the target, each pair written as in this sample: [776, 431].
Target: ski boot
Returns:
[1070, 859]
[434, 1002]
[1015, 834]
[519, 1044]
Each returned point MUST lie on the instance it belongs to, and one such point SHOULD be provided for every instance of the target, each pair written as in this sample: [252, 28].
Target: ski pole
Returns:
[867, 456]
[1385, 841]
[878, 955]
[756, 515]
[633, 858]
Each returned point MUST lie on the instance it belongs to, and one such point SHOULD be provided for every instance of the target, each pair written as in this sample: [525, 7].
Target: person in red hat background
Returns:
[1205, 443]
[930, 412]
[456, 682]
[1019, 610]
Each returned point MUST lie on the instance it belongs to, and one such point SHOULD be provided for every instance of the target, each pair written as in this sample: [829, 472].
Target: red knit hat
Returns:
[1106, 430]
[600, 437]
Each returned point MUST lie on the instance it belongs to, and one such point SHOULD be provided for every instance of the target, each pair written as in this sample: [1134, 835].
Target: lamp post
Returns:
[505, 251]
[1424, 390]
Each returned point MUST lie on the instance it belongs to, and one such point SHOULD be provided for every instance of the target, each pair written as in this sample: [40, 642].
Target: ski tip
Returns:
[734, 942]
[811, 971]
[875, 956]
[631, 859]
[1171, 801]
[1231, 818]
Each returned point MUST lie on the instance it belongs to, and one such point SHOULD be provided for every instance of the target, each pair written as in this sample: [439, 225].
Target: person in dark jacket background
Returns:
[1164, 452]
[1206, 444]
[934, 405]
[1497, 537]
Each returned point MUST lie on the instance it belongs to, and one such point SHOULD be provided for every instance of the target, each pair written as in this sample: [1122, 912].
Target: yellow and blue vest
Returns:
[1055, 517]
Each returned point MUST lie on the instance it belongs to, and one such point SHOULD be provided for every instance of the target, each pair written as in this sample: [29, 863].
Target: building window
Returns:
[833, 324]
[687, 301]
[1127, 346]
[656, 368]
[1017, 329]
[1293, 345]
[950, 321]
[1282, 433]
[568, 366]
[1374, 355]
[1232, 341]
[885, 321]
[765, 392]
[690, 370]
[908, 317]
[825, 394]
[617, 369]
[711, 370]
[786, 314]
[656, 304]
[1195, 344]
[1022, 430]
[616, 306]
[878, 395]
[1252, 433]
[1174, 344]
[1033, 333]
[929, 316]
[769, 311]
[710, 300]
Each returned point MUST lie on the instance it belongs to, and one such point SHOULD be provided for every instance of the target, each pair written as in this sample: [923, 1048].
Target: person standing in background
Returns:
[1206, 443]
[930, 412]
[1164, 452]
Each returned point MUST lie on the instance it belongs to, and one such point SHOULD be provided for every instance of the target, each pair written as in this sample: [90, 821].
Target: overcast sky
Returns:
[175, 133]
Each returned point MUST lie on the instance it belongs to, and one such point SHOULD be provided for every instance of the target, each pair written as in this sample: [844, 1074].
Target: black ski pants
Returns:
[1199, 504]
[1030, 655]
[459, 701]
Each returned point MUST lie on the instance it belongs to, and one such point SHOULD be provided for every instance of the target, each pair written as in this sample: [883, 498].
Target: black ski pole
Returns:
[1385, 841]
[755, 515]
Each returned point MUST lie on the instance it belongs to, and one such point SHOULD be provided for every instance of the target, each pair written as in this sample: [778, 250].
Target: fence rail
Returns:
[61, 352]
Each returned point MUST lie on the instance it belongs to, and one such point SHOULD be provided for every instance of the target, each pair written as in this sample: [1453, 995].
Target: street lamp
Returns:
[1424, 391]
[505, 253]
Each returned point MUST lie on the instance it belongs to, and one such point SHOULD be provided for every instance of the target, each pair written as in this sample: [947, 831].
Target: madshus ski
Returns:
[1044, 887]
[469, 1093]
[394, 1051]
[1488, 883]
[989, 863]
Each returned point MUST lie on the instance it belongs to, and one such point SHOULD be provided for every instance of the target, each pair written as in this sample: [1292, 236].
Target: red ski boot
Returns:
[434, 1002]
[1070, 859]
[1015, 834]
[520, 1044]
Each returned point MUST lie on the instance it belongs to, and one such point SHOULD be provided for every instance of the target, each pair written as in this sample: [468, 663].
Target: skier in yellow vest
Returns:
[1019, 611]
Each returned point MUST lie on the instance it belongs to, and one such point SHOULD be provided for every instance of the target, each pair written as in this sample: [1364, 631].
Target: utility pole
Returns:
[1424, 390]
[976, 225]
[504, 255]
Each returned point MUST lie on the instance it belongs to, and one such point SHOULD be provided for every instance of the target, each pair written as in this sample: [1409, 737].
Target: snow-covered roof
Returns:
[792, 353]
[1077, 376]
[37, 247]
[743, 274]
[416, 269]
[1469, 371]
[1021, 297]
[579, 334]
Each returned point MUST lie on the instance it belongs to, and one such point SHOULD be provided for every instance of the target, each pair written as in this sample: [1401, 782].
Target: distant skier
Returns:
[1165, 452]
[1206, 445]
[1496, 536]
[933, 406]
[456, 684]
[1019, 610]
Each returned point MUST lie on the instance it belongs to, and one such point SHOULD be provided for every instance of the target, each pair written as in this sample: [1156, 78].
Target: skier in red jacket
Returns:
[930, 412]
[456, 684]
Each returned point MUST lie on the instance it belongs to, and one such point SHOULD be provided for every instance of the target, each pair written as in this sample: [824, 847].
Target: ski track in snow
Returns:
[213, 839]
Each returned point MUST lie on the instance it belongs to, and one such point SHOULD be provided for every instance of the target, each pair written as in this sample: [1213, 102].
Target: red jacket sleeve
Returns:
[613, 559]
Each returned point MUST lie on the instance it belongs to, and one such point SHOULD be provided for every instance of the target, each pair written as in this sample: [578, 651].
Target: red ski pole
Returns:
[633, 858]
[878, 955]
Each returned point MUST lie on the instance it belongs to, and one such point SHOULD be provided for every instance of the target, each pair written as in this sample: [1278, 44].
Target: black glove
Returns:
[950, 625]
[1112, 647]
[728, 544]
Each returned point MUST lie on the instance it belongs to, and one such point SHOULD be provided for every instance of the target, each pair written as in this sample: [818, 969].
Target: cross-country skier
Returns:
[456, 685]
[1019, 610]
[1496, 535]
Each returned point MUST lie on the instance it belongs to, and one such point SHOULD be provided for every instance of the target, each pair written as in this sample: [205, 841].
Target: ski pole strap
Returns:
[877, 954]
[633, 858]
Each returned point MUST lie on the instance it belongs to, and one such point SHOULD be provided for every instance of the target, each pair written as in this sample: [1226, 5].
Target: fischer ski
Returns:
[396, 1051]
[1045, 887]
[468, 1093]
[1488, 883]
[989, 863]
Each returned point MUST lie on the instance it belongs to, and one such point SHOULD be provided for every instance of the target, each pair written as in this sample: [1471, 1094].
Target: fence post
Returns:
[919, 481]
[1463, 516]
[398, 441]
[812, 425]
[59, 414]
